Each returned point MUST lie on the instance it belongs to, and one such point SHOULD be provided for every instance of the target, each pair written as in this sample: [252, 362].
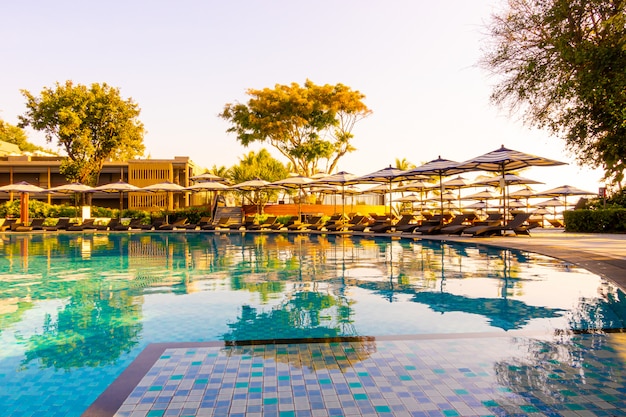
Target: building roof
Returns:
[7, 148]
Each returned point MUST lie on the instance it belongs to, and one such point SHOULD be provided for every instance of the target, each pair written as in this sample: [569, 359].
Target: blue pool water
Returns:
[76, 309]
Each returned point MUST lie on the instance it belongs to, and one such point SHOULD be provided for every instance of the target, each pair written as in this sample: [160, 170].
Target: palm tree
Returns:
[403, 164]
[258, 165]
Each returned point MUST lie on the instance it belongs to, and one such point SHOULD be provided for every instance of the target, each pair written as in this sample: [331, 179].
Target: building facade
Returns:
[43, 171]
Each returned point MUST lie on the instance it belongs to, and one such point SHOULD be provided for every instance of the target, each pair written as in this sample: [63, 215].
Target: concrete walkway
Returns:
[602, 254]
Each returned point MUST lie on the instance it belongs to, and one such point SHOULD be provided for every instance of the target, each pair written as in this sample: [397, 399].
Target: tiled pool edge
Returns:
[109, 402]
[112, 398]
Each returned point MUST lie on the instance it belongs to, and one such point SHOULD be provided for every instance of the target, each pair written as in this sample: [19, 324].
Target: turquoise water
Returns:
[76, 309]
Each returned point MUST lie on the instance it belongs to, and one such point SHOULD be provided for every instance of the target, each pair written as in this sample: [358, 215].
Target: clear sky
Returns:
[415, 61]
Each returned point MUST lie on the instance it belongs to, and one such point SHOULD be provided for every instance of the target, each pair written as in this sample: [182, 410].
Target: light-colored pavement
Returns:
[602, 254]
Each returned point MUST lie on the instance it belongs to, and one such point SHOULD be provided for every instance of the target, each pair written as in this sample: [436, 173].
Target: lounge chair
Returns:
[267, 224]
[248, 222]
[134, 224]
[515, 225]
[493, 219]
[110, 225]
[457, 221]
[369, 222]
[62, 224]
[429, 226]
[6, 225]
[177, 224]
[219, 223]
[154, 224]
[312, 223]
[37, 223]
[458, 224]
[406, 222]
[556, 222]
[87, 224]
[381, 226]
[202, 222]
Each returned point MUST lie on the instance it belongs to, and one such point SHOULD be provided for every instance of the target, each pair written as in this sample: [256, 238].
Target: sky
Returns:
[181, 62]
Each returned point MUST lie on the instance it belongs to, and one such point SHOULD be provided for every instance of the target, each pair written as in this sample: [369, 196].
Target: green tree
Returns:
[91, 124]
[308, 124]
[220, 171]
[259, 165]
[17, 136]
[404, 164]
[561, 62]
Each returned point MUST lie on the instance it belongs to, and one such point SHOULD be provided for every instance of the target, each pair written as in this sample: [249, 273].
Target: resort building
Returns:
[43, 171]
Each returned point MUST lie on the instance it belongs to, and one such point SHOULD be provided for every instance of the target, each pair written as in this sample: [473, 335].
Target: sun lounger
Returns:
[154, 224]
[556, 222]
[248, 222]
[458, 224]
[493, 219]
[429, 226]
[6, 225]
[218, 223]
[177, 224]
[267, 224]
[87, 224]
[516, 225]
[62, 224]
[438, 228]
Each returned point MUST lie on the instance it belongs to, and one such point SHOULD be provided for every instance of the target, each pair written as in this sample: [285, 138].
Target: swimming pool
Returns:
[76, 309]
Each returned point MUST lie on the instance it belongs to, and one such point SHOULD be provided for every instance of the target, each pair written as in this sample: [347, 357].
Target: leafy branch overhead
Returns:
[91, 124]
[561, 62]
[309, 124]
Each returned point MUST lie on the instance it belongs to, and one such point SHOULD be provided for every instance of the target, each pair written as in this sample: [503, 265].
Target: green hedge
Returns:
[612, 220]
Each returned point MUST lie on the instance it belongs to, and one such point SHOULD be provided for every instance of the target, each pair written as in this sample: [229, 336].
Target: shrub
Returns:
[611, 220]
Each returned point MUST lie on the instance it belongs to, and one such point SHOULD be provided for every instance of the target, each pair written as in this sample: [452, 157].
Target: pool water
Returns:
[76, 309]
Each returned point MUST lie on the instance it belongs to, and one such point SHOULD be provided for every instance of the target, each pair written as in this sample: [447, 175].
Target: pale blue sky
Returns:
[182, 61]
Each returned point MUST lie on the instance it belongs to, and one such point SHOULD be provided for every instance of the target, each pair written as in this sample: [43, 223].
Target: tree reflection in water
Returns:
[305, 285]
[92, 329]
[550, 373]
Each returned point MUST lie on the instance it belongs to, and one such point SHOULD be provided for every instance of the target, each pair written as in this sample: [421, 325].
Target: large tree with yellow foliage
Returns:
[311, 125]
[91, 124]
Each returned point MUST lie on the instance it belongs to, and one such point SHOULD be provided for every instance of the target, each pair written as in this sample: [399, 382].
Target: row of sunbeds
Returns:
[462, 224]
[468, 224]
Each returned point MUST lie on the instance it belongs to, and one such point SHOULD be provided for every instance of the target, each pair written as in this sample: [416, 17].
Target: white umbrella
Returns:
[440, 168]
[25, 189]
[120, 187]
[206, 177]
[457, 182]
[296, 181]
[207, 186]
[341, 179]
[509, 179]
[564, 191]
[255, 186]
[503, 160]
[164, 187]
[75, 187]
[386, 176]
[483, 196]
[553, 202]
[22, 187]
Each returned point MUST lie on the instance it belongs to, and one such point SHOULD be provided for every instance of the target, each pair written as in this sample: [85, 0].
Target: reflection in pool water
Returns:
[75, 309]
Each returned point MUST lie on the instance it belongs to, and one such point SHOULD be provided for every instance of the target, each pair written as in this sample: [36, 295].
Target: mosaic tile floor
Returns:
[579, 375]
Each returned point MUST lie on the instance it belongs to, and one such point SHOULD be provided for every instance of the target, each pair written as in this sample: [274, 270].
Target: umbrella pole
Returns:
[300, 204]
[24, 208]
[390, 208]
[121, 204]
[441, 197]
